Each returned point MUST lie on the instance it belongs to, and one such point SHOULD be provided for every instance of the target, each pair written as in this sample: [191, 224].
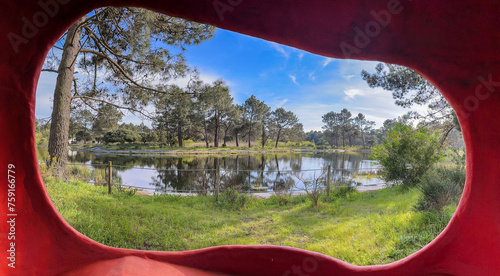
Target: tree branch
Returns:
[133, 110]
[123, 73]
[50, 70]
[76, 93]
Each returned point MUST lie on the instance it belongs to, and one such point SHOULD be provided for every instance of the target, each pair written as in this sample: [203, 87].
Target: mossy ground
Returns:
[360, 228]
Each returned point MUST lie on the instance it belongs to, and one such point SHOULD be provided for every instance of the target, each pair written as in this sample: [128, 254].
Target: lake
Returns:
[246, 173]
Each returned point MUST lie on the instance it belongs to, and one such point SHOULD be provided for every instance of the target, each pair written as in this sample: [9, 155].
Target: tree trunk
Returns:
[216, 133]
[343, 138]
[278, 138]
[236, 137]
[249, 135]
[206, 132]
[363, 139]
[263, 135]
[179, 136]
[59, 127]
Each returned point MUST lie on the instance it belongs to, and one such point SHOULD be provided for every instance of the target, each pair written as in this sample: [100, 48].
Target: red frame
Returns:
[453, 43]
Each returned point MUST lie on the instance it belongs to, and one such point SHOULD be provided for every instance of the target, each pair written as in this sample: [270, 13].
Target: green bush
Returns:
[125, 191]
[440, 187]
[345, 191]
[281, 199]
[121, 136]
[423, 229]
[407, 154]
[231, 199]
[81, 172]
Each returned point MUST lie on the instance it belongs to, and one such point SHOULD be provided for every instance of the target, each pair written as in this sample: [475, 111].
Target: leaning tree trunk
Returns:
[59, 127]
[278, 138]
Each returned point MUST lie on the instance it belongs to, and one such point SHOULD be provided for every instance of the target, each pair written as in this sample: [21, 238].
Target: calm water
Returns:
[265, 172]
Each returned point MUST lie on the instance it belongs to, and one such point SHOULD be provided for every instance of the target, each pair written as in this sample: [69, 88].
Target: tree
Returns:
[120, 52]
[363, 125]
[283, 119]
[295, 133]
[121, 136]
[332, 127]
[233, 117]
[345, 123]
[254, 111]
[220, 104]
[239, 124]
[264, 121]
[175, 112]
[80, 120]
[83, 135]
[201, 107]
[410, 88]
[407, 153]
[106, 120]
[316, 137]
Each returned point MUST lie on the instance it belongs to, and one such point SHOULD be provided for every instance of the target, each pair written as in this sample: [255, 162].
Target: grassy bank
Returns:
[200, 146]
[360, 228]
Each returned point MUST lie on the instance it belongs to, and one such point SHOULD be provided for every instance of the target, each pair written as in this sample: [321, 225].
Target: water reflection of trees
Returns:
[244, 173]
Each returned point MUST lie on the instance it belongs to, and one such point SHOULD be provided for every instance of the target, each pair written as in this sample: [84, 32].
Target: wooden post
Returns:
[110, 177]
[217, 178]
[328, 177]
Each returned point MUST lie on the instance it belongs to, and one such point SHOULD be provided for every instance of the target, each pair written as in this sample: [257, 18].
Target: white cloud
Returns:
[301, 55]
[280, 104]
[264, 75]
[327, 61]
[348, 77]
[205, 77]
[312, 76]
[310, 114]
[294, 79]
[352, 93]
[354, 67]
[280, 49]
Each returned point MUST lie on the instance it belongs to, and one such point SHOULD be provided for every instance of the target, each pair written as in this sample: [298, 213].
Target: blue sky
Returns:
[309, 85]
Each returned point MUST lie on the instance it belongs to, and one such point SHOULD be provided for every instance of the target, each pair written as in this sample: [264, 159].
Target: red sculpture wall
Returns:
[455, 44]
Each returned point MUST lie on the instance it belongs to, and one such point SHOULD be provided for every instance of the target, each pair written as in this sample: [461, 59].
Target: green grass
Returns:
[360, 228]
[201, 146]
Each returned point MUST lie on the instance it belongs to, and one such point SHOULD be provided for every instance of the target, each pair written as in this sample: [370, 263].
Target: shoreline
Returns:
[221, 151]
[261, 195]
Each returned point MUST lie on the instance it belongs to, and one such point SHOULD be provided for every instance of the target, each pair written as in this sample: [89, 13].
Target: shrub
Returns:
[281, 199]
[47, 171]
[121, 136]
[231, 199]
[423, 229]
[407, 153]
[80, 172]
[125, 191]
[344, 191]
[99, 176]
[440, 187]
[313, 186]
